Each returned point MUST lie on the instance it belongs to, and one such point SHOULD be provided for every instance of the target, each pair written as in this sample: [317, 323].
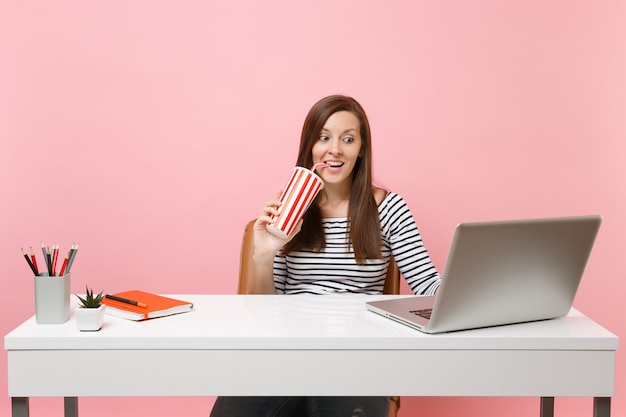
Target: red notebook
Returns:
[156, 305]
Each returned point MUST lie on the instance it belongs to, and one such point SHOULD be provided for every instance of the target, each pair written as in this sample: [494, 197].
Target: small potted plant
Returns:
[90, 314]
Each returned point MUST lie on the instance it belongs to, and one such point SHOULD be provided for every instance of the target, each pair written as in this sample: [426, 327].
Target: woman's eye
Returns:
[348, 139]
[324, 138]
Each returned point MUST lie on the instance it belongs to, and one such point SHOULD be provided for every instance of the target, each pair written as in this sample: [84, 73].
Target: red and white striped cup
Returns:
[296, 198]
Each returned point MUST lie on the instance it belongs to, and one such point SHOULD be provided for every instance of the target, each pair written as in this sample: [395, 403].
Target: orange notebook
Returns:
[156, 305]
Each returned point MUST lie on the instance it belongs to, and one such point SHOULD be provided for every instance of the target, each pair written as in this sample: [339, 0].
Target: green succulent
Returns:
[90, 301]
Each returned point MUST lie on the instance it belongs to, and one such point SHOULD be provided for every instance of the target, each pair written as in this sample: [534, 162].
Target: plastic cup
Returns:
[297, 196]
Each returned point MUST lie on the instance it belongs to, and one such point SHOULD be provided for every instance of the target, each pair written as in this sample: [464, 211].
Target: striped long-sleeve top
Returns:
[334, 269]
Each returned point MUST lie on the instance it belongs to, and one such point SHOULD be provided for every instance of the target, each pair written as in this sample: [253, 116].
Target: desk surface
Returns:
[309, 345]
[301, 322]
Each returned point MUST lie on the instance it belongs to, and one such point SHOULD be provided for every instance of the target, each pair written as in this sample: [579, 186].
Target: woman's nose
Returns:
[335, 147]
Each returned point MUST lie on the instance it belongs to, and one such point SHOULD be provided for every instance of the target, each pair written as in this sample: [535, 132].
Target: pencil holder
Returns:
[52, 299]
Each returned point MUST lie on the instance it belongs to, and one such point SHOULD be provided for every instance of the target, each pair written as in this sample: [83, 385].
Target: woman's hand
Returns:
[265, 243]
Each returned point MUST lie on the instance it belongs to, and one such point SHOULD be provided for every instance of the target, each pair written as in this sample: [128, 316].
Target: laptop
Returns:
[501, 273]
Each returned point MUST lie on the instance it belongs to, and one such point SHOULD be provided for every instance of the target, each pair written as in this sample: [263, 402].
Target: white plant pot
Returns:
[89, 319]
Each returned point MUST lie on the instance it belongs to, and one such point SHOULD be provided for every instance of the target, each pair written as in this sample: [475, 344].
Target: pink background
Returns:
[151, 131]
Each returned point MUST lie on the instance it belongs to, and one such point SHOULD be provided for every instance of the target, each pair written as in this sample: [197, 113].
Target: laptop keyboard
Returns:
[423, 313]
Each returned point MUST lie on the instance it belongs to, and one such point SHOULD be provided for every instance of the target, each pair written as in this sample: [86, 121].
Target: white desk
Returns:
[247, 345]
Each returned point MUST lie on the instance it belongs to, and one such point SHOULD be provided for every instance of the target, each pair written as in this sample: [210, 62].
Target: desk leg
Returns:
[71, 406]
[547, 407]
[19, 406]
[601, 406]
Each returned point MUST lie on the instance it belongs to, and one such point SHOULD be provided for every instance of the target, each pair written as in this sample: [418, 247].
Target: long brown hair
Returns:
[363, 222]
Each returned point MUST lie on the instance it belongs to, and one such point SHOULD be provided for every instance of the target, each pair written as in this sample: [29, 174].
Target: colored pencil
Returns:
[55, 255]
[45, 256]
[72, 255]
[62, 272]
[30, 263]
[32, 257]
[49, 260]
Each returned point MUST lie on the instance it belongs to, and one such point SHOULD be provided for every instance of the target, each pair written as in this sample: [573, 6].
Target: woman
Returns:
[342, 245]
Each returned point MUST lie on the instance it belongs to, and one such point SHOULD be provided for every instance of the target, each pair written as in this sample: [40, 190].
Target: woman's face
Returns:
[339, 146]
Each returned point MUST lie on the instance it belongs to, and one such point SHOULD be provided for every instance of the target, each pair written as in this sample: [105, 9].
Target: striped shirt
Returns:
[334, 269]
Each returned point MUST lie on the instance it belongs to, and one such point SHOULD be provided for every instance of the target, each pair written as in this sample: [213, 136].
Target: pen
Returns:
[127, 301]
[32, 257]
[30, 263]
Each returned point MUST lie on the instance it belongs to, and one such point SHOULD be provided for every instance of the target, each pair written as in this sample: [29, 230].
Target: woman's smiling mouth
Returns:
[334, 164]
